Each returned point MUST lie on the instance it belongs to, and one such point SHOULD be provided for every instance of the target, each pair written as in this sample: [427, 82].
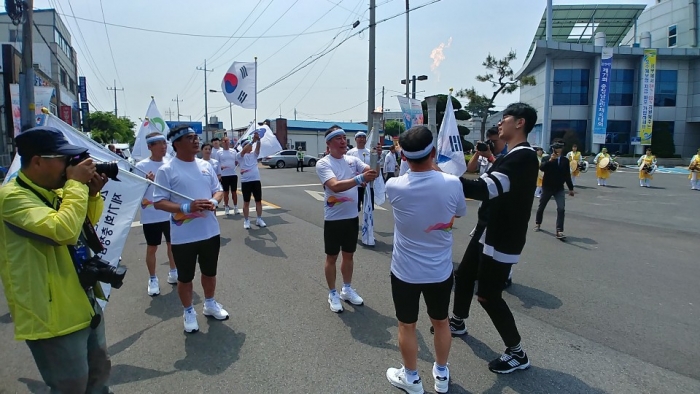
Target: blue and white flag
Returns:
[268, 140]
[239, 83]
[377, 184]
[368, 219]
[450, 156]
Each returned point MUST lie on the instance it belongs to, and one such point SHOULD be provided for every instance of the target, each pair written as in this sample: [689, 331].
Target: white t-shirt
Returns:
[249, 167]
[404, 168]
[228, 160]
[362, 154]
[343, 205]
[195, 179]
[423, 224]
[390, 162]
[149, 214]
[215, 151]
[215, 164]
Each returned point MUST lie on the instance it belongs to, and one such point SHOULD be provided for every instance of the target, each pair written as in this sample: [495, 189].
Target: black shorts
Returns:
[252, 187]
[187, 255]
[154, 232]
[407, 299]
[229, 183]
[340, 235]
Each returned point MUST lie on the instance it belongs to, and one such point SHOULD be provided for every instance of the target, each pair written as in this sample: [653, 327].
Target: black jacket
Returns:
[556, 173]
[507, 190]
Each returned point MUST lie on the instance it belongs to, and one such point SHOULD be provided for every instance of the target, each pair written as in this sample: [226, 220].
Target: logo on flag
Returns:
[450, 151]
[152, 123]
[239, 84]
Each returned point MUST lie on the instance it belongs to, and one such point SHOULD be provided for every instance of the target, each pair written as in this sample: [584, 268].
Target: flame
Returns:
[438, 55]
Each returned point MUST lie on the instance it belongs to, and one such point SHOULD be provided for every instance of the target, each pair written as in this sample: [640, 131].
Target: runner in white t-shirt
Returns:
[206, 156]
[363, 154]
[228, 163]
[339, 176]
[425, 204]
[195, 230]
[250, 179]
[390, 163]
[156, 224]
[216, 145]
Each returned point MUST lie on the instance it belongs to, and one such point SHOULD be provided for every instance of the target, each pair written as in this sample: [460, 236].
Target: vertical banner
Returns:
[412, 111]
[42, 99]
[603, 95]
[82, 89]
[646, 121]
[66, 114]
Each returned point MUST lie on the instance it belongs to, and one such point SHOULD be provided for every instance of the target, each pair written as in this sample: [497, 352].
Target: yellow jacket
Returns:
[41, 285]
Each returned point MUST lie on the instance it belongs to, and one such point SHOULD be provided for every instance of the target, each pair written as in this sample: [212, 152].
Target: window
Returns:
[71, 86]
[301, 144]
[571, 87]
[672, 36]
[666, 88]
[63, 44]
[621, 88]
[571, 131]
[662, 142]
[15, 35]
[288, 153]
[617, 136]
[64, 78]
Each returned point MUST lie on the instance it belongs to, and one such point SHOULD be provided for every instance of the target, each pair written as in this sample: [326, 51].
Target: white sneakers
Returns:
[334, 302]
[211, 309]
[246, 224]
[260, 223]
[235, 210]
[397, 377]
[442, 379]
[172, 277]
[153, 287]
[226, 210]
[348, 294]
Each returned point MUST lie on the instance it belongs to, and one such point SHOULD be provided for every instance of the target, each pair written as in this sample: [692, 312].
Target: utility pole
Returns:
[26, 81]
[170, 114]
[383, 110]
[206, 93]
[115, 97]
[407, 7]
[177, 100]
[371, 79]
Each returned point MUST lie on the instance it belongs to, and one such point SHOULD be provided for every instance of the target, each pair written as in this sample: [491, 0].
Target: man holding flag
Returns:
[250, 179]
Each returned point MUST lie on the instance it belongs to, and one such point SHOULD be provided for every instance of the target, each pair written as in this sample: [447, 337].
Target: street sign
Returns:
[82, 89]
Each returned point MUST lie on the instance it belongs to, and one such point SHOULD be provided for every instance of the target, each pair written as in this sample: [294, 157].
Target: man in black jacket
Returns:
[507, 191]
[556, 173]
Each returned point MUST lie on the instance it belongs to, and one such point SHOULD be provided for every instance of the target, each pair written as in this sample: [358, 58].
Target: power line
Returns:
[236, 31]
[114, 63]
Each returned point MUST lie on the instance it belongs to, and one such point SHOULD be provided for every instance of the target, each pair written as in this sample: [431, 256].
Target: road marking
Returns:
[283, 186]
[266, 206]
[321, 196]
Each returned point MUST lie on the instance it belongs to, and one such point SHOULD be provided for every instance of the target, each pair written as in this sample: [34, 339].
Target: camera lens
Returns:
[111, 169]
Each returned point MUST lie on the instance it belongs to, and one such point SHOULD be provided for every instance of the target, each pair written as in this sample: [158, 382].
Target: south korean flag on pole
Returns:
[449, 148]
[239, 85]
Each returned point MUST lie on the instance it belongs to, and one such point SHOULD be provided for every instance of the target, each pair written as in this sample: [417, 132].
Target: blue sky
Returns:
[333, 88]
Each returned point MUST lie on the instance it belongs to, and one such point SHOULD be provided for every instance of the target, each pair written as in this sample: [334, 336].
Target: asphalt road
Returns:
[612, 310]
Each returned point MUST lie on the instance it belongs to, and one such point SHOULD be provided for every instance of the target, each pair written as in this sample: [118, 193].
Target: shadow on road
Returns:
[532, 380]
[6, 318]
[613, 187]
[264, 242]
[167, 305]
[531, 297]
[123, 373]
[573, 241]
[224, 241]
[211, 352]
[372, 328]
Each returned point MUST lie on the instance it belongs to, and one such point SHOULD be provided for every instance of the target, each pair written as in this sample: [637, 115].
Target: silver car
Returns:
[287, 158]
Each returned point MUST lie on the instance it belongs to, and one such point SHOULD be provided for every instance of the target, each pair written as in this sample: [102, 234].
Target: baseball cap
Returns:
[45, 140]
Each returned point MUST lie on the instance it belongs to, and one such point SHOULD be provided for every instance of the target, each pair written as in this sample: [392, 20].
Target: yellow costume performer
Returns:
[602, 173]
[644, 162]
[574, 157]
[694, 168]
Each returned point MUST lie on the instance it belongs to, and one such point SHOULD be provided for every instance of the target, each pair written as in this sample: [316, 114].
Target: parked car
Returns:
[287, 158]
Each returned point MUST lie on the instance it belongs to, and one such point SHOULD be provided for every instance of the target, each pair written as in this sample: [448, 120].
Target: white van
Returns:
[123, 150]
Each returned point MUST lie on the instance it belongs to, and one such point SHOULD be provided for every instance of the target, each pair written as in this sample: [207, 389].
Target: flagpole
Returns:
[256, 92]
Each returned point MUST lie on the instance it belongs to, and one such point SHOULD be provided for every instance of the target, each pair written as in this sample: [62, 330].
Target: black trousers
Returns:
[491, 275]
[300, 164]
[560, 198]
[361, 197]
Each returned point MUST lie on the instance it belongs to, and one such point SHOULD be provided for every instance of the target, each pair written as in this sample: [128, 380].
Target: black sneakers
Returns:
[509, 362]
[457, 327]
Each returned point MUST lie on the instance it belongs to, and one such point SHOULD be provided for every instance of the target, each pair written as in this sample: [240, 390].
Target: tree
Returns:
[662, 144]
[106, 128]
[502, 78]
[460, 114]
[394, 127]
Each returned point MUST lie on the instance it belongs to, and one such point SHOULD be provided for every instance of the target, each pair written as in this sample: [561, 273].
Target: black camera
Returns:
[110, 169]
[97, 270]
[485, 146]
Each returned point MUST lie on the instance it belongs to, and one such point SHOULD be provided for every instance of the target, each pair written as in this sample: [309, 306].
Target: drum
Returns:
[583, 166]
[573, 166]
[612, 166]
[651, 169]
[603, 162]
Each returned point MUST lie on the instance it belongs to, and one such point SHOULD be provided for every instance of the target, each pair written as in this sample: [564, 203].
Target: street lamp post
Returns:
[230, 107]
[413, 80]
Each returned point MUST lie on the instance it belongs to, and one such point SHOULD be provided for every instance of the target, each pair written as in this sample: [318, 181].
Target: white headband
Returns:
[181, 133]
[155, 138]
[360, 134]
[419, 154]
[334, 134]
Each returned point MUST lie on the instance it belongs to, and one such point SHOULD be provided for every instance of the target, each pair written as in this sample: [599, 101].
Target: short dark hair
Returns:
[492, 131]
[215, 139]
[204, 145]
[522, 111]
[574, 145]
[416, 139]
[25, 160]
[174, 131]
[538, 149]
[332, 129]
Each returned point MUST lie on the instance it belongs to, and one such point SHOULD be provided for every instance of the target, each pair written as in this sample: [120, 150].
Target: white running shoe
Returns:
[235, 210]
[260, 223]
[442, 379]
[226, 209]
[172, 277]
[191, 322]
[397, 377]
[348, 294]
[246, 224]
[215, 310]
[153, 287]
[334, 302]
